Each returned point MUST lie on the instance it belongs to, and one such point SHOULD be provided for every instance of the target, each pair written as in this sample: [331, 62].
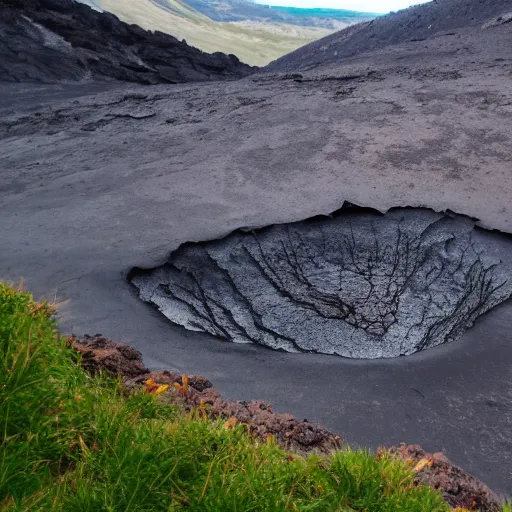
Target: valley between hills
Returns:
[256, 38]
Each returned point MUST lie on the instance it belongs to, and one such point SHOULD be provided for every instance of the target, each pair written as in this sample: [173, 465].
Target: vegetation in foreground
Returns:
[73, 442]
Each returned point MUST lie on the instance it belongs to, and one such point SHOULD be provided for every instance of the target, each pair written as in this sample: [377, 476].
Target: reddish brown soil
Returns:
[101, 354]
[459, 488]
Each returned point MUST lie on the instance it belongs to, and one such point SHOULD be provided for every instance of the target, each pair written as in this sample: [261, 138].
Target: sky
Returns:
[376, 6]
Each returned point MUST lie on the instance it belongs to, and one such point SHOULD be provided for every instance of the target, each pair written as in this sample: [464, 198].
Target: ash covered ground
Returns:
[98, 177]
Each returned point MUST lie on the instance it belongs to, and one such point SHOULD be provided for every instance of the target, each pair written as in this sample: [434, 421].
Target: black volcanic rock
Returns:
[61, 40]
[414, 24]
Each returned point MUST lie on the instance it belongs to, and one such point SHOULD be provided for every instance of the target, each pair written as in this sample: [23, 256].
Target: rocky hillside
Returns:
[409, 25]
[61, 40]
[460, 489]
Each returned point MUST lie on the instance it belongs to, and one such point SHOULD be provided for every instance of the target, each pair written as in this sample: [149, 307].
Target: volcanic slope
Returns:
[414, 25]
[98, 178]
[54, 40]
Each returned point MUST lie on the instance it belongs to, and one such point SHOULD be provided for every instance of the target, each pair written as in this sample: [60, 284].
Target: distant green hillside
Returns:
[247, 10]
[332, 14]
[254, 33]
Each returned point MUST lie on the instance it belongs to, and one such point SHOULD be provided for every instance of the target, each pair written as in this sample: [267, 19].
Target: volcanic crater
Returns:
[357, 284]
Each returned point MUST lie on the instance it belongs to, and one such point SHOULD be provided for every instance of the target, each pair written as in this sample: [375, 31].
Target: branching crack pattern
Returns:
[358, 284]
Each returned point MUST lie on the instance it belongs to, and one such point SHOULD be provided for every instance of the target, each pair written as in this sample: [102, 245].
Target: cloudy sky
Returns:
[380, 6]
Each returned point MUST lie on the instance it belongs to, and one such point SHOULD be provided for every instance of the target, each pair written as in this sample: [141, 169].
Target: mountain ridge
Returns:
[67, 40]
[408, 25]
[246, 10]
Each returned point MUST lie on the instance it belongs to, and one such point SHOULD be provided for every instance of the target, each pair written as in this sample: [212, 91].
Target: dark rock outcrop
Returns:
[460, 489]
[414, 25]
[100, 354]
[51, 41]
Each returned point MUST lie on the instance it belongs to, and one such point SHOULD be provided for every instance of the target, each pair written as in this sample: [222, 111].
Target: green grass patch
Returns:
[73, 442]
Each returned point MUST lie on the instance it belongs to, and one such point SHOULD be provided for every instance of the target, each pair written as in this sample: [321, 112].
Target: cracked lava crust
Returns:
[357, 284]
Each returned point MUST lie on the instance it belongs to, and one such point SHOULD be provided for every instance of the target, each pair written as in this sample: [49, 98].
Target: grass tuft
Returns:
[73, 442]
